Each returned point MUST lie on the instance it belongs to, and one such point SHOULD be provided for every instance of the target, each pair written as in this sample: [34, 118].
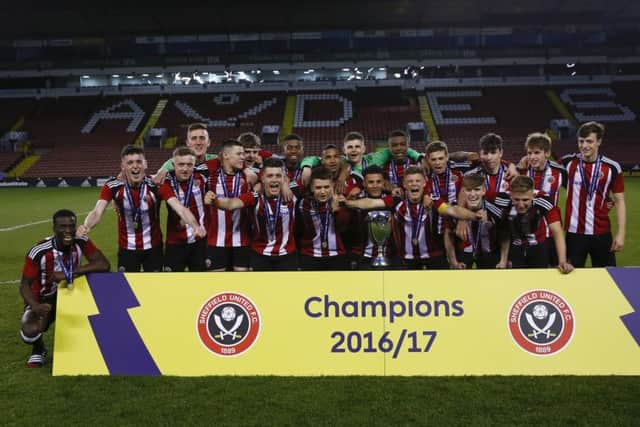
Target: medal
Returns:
[592, 185]
[500, 175]
[136, 210]
[272, 217]
[67, 267]
[184, 198]
[324, 222]
[182, 224]
[324, 245]
[235, 192]
[416, 221]
[414, 241]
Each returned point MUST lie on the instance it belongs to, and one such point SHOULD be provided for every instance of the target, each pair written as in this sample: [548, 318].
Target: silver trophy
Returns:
[379, 230]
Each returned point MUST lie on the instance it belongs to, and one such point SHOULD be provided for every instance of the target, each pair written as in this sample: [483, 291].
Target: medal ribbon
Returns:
[394, 172]
[324, 220]
[236, 184]
[67, 269]
[415, 221]
[498, 179]
[176, 185]
[272, 218]
[593, 182]
[136, 210]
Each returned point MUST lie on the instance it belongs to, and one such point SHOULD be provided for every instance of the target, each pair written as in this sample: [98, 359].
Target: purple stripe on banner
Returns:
[122, 348]
[627, 280]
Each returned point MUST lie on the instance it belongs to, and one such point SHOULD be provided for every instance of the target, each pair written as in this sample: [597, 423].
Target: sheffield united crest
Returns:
[541, 322]
[228, 324]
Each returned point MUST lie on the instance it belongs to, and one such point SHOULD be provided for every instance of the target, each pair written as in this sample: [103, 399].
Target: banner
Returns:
[510, 322]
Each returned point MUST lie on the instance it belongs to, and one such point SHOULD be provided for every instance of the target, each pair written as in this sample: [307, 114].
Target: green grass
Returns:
[35, 397]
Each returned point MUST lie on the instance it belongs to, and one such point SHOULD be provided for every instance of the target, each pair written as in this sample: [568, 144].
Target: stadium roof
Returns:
[33, 19]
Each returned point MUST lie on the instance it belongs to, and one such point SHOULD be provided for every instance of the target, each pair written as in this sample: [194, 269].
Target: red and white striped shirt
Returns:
[44, 258]
[532, 227]
[138, 214]
[548, 180]
[494, 183]
[319, 223]
[413, 229]
[395, 171]
[445, 187]
[273, 225]
[585, 214]
[177, 233]
[227, 228]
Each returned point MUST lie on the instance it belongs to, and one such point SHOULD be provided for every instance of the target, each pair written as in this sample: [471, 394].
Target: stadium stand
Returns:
[8, 160]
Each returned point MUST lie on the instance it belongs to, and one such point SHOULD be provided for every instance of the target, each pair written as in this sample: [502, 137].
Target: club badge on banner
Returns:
[513, 322]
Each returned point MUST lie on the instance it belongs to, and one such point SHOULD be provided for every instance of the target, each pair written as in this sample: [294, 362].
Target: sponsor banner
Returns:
[513, 322]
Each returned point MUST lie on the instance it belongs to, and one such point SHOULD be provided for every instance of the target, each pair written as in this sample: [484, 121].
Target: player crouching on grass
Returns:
[51, 261]
[532, 221]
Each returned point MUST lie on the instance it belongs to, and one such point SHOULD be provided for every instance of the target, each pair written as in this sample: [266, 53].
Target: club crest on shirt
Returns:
[541, 322]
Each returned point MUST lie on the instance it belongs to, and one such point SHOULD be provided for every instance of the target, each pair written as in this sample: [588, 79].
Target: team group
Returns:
[247, 208]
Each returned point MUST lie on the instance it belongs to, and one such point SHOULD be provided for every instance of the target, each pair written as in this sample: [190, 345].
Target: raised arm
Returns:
[93, 219]
[186, 216]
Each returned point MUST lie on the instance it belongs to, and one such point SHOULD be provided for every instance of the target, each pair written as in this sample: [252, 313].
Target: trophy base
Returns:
[380, 262]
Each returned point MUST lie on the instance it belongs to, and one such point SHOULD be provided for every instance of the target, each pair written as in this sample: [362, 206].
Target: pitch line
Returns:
[29, 224]
[9, 282]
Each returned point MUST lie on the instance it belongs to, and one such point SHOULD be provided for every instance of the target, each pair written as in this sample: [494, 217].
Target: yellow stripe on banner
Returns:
[73, 333]
[427, 118]
[288, 116]
[559, 106]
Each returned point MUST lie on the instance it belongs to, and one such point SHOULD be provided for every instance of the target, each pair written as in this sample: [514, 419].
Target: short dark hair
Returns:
[434, 146]
[521, 184]
[197, 126]
[272, 162]
[131, 149]
[350, 136]
[412, 170]
[228, 143]
[320, 172]
[292, 137]
[472, 180]
[330, 147]
[374, 170]
[490, 142]
[398, 132]
[591, 127]
[538, 140]
[183, 151]
[64, 213]
[249, 140]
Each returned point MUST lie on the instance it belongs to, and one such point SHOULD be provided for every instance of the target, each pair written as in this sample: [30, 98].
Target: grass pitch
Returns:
[34, 397]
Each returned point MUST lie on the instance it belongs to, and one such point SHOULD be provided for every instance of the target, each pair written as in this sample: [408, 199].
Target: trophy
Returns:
[379, 230]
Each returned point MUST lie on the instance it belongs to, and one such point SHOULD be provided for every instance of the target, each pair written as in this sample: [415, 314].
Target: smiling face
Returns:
[233, 157]
[133, 167]
[198, 141]
[438, 161]
[491, 159]
[184, 166]
[522, 200]
[322, 189]
[537, 157]
[251, 154]
[475, 196]
[272, 180]
[64, 229]
[589, 146]
[414, 186]
[374, 184]
[398, 145]
[331, 159]
[354, 150]
[293, 151]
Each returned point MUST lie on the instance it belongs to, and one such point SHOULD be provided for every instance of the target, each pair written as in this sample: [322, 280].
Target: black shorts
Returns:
[227, 258]
[482, 261]
[261, 262]
[131, 261]
[330, 263]
[536, 256]
[597, 246]
[433, 263]
[177, 257]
